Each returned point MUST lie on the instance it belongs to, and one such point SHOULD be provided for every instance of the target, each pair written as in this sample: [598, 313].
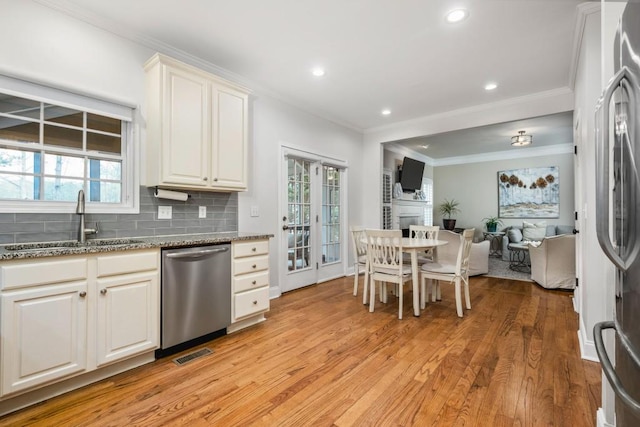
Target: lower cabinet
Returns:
[62, 322]
[250, 287]
[44, 335]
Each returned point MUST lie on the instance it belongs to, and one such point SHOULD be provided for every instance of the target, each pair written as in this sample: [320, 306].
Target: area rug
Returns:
[499, 268]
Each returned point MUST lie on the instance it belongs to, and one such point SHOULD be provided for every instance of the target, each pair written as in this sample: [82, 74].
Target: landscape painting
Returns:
[529, 193]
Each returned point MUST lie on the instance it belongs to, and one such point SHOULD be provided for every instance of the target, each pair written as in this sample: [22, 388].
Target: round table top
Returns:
[519, 246]
[494, 233]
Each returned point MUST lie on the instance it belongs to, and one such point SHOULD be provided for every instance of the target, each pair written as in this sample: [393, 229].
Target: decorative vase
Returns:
[449, 224]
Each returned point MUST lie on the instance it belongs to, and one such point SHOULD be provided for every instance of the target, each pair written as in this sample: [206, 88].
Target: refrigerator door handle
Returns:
[602, 171]
[608, 368]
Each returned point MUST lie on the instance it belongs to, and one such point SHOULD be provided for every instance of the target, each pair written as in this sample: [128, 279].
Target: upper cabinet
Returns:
[197, 126]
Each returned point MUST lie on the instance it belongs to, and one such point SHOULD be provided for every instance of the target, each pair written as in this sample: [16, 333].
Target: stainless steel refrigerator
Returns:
[618, 214]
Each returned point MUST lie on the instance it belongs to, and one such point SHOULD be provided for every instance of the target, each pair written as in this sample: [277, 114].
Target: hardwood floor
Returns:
[322, 359]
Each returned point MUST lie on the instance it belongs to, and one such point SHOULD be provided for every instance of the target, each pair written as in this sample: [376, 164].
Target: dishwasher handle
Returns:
[197, 254]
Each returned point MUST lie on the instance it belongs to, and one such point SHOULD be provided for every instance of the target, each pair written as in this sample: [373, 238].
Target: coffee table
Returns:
[518, 257]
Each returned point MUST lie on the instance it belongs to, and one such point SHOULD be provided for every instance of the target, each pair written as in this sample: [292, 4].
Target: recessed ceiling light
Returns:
[386, 112]
[490, 86]
[318, 72]
[457, 15]
[425, 146]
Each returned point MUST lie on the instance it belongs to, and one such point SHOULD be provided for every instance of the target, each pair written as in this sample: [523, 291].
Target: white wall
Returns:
[274, 124]
[475, 186]
[44, 45]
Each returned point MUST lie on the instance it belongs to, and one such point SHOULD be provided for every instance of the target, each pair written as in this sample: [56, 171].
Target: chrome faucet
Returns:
[82, 230]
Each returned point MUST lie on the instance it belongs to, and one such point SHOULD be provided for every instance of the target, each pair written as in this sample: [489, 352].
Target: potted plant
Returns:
[448, 208]
[492, 223]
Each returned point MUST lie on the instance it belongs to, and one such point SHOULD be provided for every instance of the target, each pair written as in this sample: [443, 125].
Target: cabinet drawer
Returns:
[251, 302]
[250, 264]
[128, 262]
[250, 281]
[254, 247]
[36, 273]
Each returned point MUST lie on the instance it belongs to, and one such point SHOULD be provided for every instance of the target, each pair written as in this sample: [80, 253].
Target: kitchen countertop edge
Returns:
[132, 243]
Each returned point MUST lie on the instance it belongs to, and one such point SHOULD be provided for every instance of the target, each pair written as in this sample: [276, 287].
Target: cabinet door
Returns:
[229, 142]
[128, 316]
[44, 333]
[185, 128]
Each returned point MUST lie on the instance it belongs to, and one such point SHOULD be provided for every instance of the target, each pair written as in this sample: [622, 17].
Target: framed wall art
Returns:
[529, 193]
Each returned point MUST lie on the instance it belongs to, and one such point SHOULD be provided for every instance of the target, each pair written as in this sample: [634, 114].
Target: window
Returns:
[49, 151]
[427, 189]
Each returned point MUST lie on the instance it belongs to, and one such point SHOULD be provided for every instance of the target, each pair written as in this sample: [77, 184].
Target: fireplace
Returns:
[406, 213]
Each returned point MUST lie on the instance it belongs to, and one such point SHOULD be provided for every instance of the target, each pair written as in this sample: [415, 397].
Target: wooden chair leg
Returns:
[466, 295]
[399, 288]
[366, 286]
[372, 294]
[355, 279]
[458, 297]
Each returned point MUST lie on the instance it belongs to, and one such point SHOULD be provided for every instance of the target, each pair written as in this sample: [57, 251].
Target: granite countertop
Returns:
[71, 247]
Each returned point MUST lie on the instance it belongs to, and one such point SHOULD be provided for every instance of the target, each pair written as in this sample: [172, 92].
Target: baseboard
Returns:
[600, 419]
[587, 346]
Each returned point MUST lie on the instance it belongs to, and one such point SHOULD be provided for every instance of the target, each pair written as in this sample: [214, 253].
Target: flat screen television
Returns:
[411, 178]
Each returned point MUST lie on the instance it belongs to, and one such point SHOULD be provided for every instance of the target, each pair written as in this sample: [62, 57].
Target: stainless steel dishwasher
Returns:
[196, 296]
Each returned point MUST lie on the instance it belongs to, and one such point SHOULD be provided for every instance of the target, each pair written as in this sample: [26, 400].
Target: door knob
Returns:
[285, 227]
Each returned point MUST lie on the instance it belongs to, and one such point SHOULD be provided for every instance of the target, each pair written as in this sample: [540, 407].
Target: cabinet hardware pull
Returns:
[103, 291]
[254, 266]
[255, 303]
[215, 179]
[253, 283]
[205, 179]
[83, 294]
[254, 249]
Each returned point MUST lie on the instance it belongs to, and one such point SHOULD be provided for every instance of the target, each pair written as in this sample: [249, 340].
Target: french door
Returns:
[313, 228]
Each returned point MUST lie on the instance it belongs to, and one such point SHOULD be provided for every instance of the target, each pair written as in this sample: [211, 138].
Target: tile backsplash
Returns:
[222, 215]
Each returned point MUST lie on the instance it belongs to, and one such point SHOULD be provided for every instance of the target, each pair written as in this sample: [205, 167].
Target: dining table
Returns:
[413, 246]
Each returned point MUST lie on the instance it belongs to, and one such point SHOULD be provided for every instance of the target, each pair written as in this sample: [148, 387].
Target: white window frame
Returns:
[130, 202]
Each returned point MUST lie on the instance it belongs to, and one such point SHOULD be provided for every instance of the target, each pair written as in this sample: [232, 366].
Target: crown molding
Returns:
[584, 10]
[481, 108]
[404, 151]
[75, 11]
[522, 153]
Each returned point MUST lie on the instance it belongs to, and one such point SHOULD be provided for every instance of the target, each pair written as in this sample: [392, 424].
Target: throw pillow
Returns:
[515, 235]
[534, 232]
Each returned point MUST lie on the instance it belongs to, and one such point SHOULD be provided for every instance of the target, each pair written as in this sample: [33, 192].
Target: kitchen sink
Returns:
[48, 246]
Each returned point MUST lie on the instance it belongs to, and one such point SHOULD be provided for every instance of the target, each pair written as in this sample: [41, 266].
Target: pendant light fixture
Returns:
[521, 139]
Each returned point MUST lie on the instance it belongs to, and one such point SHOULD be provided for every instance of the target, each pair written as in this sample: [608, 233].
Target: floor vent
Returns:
[182, 360]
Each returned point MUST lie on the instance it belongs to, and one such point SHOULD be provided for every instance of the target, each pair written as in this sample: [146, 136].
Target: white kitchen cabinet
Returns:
[128, 303]
[197, 128]
[250, 292]
[44, 332]
[65, 316]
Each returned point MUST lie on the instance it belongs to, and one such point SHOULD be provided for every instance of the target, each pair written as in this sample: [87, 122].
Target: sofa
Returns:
[517, 236]
[553, 262]
[478, 258]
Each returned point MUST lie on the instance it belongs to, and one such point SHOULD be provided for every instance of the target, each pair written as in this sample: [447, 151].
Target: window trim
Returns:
[91, 104]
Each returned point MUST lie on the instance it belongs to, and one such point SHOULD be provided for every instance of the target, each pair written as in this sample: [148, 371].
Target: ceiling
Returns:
[398, 55]
[549, 130]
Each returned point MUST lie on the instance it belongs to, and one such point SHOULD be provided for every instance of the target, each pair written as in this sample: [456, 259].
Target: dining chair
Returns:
[384, 252]
[359, 242]
[423, 232]
[457, 274]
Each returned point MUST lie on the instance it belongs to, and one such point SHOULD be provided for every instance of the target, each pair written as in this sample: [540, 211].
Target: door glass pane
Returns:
[299, 209]
[331, 244]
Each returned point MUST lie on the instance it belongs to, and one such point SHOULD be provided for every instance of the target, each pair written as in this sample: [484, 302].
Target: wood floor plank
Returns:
[321, 359]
